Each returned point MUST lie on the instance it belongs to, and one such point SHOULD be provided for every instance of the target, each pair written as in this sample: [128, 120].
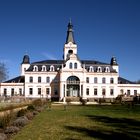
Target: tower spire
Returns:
[70, 36]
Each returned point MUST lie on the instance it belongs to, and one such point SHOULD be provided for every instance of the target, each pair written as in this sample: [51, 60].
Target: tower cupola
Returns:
[70, 36]
[25, 64]
[113, 61]
[26, 59]
[70, 46]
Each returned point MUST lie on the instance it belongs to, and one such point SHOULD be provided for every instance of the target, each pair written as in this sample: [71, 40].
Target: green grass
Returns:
[84, 123]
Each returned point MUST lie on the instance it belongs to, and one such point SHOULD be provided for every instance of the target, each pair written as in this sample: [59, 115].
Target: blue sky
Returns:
[102, 29]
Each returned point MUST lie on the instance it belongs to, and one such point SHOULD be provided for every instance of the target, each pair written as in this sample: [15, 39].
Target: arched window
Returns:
[35, 68]
[43, 68]
[111, 80]
[91, 69]
[70, 65]
[75, 65]
[103, 80]
[107, 69]
[51, 68]
[73, 80]
[99, 69]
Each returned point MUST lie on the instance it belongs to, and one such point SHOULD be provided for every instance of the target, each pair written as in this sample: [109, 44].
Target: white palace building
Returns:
[69, 77]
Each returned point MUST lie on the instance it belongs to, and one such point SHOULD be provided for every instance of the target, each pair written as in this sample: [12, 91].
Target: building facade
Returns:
[69, 77]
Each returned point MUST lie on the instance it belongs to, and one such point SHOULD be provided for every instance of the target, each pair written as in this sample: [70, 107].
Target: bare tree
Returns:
[3, 72]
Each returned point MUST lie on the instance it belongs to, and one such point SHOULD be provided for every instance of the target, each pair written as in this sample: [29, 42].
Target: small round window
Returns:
[70, 51]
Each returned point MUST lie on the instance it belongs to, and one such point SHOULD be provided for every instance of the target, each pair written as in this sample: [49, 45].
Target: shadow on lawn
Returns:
[122, 128]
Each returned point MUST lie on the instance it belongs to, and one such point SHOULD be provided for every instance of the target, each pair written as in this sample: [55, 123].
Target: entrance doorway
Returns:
[73, 86]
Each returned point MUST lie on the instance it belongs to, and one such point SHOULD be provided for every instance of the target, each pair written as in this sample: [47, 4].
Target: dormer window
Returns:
[99, 69]
[51, 68]
[43, 68]
[35, 68]
[91, 69]
[107, 69]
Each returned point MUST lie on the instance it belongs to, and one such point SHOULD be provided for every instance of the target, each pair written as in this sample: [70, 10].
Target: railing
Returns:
[73, 82]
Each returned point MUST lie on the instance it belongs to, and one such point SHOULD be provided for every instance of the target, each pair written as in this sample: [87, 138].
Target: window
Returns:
[75, 65]
[121, 91]
[99, 69]
[43, 68]
[135, 92]
[87, 79]
[128, 92]
[31, 79]
[81, 90]
[70, 51]
[51, 68]
[30, 91]
[103, 80]
[55, 92]
[5, 92]
[111, 80]
[47, 79]
[39, 79]
[95, 80]
[12, 92]
[35, 68]
[70, 65]
[24, 69]
[20, 91]
[39, 91]
[111, 92]
[90, 69]
[64, 90]
[103, 92]
[95, 91]
[47, 91]
[87, 91]
[107, 69]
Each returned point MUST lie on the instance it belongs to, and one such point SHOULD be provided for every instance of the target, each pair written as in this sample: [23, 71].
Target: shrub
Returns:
[11, 129]
[68, 100]
[21, 121]
[29, 115]
[3, 136]
[35, 113]
[30, 108]
[39, 109]
[21, 112]
[6, 119]
[37, 102]
[83, 101]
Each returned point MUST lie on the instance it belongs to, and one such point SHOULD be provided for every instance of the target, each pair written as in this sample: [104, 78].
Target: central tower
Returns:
[70, 46]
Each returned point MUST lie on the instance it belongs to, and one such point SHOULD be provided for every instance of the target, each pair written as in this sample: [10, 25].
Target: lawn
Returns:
[84, 123]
